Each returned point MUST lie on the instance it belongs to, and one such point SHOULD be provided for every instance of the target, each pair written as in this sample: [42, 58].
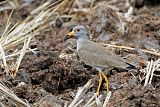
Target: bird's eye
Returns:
[77, 30]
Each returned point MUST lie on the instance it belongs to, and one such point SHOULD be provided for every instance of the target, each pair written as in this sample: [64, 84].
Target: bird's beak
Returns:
[70, 35]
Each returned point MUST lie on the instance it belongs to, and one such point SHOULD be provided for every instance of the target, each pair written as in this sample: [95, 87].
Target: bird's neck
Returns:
[80, 42]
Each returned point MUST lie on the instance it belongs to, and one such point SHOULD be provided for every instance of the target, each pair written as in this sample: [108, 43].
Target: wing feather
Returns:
[94, 54]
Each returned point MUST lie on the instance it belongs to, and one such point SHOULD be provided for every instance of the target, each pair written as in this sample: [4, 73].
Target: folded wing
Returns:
[94, 54]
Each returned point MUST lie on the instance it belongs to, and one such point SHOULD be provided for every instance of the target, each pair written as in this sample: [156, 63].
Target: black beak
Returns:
[65, 38]
[70, 35]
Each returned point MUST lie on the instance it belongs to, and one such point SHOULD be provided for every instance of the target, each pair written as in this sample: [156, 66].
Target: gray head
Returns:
[78, 32]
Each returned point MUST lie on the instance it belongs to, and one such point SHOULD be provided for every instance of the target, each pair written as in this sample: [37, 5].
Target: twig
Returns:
[18, 53]
[76, 105]
[156, 75]
[130, 48]
[107, 99]
[26, 44]
[98, 102]
[1, 105]
[156, 65]
[8, 24]
[7, 92]
[14, 3]
[92, 104]
[90, 100]
[81, 92]
[149, 71]
[4, 59]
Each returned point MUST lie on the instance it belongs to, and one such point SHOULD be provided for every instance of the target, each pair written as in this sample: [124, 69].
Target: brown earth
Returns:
[45, 73]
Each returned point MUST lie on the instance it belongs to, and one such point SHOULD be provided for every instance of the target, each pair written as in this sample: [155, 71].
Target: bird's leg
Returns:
[105, 80]
[100, 82]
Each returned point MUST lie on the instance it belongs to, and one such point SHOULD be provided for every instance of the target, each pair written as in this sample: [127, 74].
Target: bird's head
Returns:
[77, 32]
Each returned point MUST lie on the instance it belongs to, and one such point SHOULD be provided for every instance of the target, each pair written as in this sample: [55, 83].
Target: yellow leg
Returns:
[100, 82]
[106, 81]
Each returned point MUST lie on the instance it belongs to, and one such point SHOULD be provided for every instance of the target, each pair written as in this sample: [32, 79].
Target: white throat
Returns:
[80, 43]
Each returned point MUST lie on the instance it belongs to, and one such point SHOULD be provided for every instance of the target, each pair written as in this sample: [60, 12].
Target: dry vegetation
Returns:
[38, 70]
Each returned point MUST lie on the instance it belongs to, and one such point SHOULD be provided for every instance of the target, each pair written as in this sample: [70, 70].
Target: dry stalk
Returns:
[4, 59]
[79, 102]
[107, 99]
[6, 92]
[5, 5]
[14, 3]
[1, 105]
[130, 48]
[80, 93]
[9, 57]
[24, 49]
[149, 71]
[98, 102]
[13, 38]
[94, 100]
[90, 100]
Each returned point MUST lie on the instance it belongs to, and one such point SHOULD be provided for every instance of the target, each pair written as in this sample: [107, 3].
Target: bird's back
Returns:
[95, 55]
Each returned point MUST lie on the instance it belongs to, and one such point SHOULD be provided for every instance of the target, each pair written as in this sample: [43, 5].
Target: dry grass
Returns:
[14, 4]
[15, 40]
[156, 53]
[7, 93]
[95, 100]
[149, 71]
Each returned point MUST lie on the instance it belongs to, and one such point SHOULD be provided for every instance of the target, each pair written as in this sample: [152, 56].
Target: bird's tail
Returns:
[130, 66]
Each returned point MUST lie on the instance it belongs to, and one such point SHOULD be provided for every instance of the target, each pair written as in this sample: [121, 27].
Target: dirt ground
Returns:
[46, 74]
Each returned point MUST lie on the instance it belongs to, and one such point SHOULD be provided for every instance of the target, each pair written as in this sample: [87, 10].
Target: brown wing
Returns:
[94, 54]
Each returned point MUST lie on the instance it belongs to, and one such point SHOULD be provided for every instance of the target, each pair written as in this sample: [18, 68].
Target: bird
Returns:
[94, 54]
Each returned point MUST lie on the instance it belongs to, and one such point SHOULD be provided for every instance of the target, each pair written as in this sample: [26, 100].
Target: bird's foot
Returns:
[101, 76]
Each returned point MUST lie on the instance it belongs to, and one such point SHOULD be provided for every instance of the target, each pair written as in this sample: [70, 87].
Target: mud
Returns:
[46, 75]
